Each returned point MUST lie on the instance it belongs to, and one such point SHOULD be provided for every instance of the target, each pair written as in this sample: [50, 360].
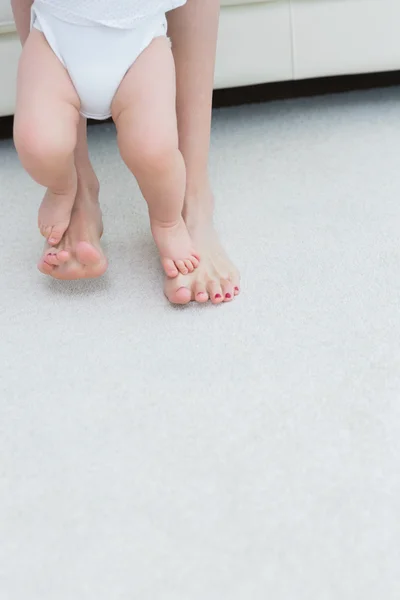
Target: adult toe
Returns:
[200, 293]
[45, 268]
[227, 290]
[56, 258]
[235, 278]
[87, 254]
[215, 292]
[181, 295]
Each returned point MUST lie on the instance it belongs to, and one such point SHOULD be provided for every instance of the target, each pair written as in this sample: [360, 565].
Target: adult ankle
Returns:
[199, 204]
[87, 180]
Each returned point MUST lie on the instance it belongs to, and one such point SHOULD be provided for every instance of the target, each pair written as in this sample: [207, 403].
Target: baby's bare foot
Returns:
[216, 278]
[175, 247]
[55, 213]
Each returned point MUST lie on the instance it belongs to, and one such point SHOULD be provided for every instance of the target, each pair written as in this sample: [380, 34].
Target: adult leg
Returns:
[79, 253]
[145, 116]
[193, 30]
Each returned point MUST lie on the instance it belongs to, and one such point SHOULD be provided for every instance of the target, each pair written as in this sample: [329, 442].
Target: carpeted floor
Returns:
[243, 452]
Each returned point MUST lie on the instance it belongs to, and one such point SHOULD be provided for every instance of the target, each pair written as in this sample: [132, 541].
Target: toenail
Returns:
[236, 289]
[228, 296]
[218, 296]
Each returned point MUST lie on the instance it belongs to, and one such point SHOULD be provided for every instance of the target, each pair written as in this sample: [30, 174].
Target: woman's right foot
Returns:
[216, 279]
[79, 254]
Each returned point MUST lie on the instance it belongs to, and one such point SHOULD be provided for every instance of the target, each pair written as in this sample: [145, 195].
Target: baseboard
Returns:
[268, 92]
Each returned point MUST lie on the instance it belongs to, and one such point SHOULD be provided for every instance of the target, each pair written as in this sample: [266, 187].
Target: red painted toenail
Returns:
[218, 296]
[236, 289]
[228, 296]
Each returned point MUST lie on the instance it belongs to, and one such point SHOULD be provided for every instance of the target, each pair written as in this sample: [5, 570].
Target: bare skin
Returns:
[45, 132]
[79, 254]
[144, 112]
[216, 279]
[55, 210]
[193, 30]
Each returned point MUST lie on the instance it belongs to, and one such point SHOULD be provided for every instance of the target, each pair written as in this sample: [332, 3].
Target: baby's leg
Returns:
[45, 132]
[144, 113]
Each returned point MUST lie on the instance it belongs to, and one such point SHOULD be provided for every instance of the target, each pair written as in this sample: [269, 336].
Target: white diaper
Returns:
[96, 57]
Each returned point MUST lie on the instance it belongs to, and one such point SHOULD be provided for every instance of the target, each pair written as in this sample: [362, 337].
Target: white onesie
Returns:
[97, 41]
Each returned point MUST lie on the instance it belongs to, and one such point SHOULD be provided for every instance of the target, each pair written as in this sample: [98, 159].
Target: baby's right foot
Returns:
[55, 213]
[175, 247]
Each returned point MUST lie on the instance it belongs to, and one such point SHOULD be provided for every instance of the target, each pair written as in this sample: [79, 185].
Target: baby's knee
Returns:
[152, 154]
[42, 145]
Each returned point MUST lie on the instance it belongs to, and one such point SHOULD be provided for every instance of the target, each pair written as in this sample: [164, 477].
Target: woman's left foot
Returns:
[79, 254]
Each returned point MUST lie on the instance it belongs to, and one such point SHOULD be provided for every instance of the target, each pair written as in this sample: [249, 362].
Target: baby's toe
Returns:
[182, 268]
[195, 260]
[189, 265]
[56, 234]
[169, 267]
[45, 230]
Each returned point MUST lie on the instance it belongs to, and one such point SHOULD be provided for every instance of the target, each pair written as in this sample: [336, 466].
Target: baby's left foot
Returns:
[175, 247]
[55, 213]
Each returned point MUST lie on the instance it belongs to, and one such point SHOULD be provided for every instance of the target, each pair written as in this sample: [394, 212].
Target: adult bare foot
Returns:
[79, 254]
[216, 278]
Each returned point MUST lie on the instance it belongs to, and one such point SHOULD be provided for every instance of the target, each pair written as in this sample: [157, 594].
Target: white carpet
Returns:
[244, 452]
